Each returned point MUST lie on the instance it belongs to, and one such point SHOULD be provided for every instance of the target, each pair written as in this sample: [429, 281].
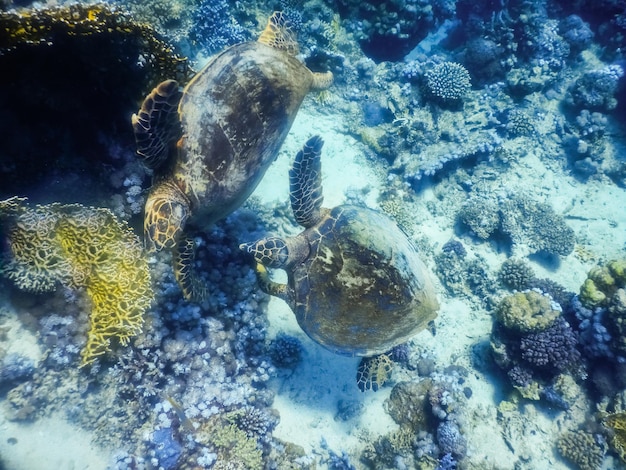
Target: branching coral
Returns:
[448, 82]
[582, 449]
[81, 247]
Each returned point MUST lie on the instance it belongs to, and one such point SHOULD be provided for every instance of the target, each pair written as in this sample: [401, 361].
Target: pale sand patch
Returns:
[48, 443]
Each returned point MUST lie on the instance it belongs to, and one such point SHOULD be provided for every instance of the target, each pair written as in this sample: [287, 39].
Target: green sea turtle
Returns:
[211, 144]
[355, 282]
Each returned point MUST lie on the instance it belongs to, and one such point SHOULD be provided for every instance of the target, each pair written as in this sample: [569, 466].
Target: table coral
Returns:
[82, 247]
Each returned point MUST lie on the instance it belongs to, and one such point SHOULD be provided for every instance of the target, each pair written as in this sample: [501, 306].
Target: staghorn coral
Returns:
[82, 247]
[527, 311]
[583, 449]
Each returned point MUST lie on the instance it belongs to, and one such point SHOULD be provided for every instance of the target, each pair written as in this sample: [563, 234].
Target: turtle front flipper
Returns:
[166, 212]
[279, 34]
[270, 287]
[191, 286]
[273, 252]
[157, 125]
[305, 183]
[373, 372]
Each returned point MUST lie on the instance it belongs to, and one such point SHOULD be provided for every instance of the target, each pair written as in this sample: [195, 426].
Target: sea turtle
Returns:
[355, 282]
[227, 126]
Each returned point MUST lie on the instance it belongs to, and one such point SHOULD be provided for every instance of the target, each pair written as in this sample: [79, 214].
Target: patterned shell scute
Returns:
[373, 291]
[235, 115]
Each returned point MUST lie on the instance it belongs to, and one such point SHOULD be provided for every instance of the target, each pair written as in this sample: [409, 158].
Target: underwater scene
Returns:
[313, 234]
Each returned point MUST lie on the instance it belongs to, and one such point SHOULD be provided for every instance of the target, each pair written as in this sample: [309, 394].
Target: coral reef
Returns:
[583, 449]
[527, 311]
[214, 28]
[595, 90]
[463, 275]
[15, 368]
[603, 283]
[533, 343]
[285, 351]
[516, 274]
[448, 82]
[533, 226]
[83, 247]
[389, 30]
[554, 348]
[81, 98]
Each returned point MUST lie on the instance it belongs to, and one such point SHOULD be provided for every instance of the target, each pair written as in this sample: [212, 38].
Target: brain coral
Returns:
[527, 311]
[81, 247]
[448, 82]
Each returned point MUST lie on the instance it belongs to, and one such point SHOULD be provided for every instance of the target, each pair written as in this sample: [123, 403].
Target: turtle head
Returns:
[167, 209]
[272, 252]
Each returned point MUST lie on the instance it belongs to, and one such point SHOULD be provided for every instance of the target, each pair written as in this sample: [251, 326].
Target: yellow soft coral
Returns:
[82, 247]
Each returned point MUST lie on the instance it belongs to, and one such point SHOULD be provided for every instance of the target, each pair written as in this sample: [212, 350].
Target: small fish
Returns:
[182, 417]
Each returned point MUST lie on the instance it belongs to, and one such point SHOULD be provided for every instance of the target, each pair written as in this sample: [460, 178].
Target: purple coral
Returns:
[553, 348]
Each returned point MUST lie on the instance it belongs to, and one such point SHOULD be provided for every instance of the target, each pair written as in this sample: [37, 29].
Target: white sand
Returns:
[307, 399]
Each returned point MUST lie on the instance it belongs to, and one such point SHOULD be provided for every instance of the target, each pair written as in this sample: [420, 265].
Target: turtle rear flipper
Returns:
[190, 285]
[157, 125]
[305, 183]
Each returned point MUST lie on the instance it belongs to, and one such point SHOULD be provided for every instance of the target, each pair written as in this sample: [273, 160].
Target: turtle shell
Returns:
[363, 289]
[235, 114]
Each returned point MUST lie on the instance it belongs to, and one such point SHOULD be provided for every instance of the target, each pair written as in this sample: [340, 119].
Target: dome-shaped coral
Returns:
[527, 311]
[448, 82]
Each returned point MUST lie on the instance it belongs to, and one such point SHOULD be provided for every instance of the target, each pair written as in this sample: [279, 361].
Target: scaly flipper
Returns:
[192, 287]
[157, 125]
[279, 34]
[305, 182]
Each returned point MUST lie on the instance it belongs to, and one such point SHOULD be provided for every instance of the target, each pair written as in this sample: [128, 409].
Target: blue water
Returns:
[491, 133]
